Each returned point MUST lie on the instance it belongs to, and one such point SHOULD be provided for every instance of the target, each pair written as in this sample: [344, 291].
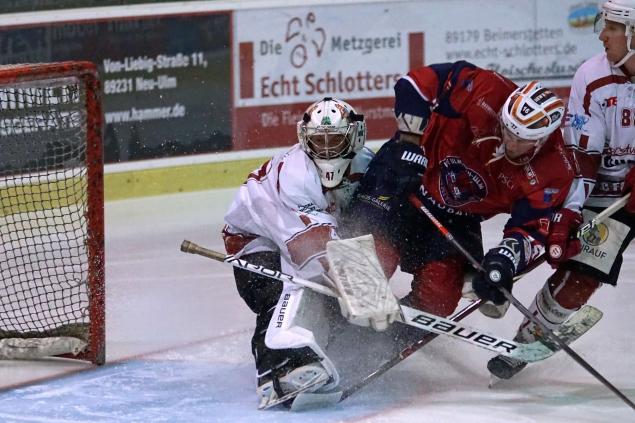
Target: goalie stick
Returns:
[546, 332]
[534, 351]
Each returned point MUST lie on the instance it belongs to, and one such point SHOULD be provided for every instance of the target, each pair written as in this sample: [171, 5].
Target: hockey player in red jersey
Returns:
[282, 218]
[600, 132]
[484, 147]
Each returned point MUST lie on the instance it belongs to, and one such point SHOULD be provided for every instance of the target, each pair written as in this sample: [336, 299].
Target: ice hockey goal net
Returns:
[52, 212]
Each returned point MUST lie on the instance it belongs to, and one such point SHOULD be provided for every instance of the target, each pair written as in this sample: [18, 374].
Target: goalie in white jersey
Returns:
[282, 218]
[600, 133]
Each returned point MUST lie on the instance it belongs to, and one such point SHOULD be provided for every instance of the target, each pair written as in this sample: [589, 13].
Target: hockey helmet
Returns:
[620, 11]
[530, 114]
[331, 133]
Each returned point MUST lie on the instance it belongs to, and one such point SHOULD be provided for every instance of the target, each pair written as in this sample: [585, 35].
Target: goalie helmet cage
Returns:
[52, 212]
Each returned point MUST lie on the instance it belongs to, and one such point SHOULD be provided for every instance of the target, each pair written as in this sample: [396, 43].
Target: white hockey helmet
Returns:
[530, 114]
[331, 133]
[620, 11]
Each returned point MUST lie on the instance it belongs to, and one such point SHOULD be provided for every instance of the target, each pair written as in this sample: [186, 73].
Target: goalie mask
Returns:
[331, 133]
[623, 12]
[528, 117]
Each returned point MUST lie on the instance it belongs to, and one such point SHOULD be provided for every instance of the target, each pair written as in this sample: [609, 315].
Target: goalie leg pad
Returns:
[437, 285]
[300, 322]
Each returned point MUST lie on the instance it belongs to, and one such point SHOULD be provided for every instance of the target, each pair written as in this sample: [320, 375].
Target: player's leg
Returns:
[296, 338]
[438, 269]
[562, 295]
[261, 295]
[571, 286]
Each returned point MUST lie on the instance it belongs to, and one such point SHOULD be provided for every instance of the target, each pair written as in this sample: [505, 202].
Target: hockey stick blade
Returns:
[569, 331]
[576, 326]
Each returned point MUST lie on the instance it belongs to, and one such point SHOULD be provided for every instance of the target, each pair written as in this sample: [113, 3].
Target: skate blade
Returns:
[493, 381]
[320, 379]
[311, 400]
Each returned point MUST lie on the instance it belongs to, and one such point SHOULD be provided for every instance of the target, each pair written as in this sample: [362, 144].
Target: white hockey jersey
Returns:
[283, 207]
[600, 129]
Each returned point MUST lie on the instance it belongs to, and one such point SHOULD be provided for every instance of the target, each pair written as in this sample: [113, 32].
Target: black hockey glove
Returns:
[499, 272]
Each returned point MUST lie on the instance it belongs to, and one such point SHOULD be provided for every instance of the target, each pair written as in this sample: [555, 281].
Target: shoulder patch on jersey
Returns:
[577, 121]
[549, 193]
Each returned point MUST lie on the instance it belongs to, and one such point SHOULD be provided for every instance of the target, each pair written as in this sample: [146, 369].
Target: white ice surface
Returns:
[178, 346]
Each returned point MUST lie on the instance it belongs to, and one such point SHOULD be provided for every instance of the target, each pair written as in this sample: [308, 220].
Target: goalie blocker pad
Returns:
[365, 297]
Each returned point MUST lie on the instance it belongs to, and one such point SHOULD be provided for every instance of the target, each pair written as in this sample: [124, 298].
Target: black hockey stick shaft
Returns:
[513, 300]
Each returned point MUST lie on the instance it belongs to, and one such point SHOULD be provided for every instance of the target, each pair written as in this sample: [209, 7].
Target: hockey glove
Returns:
[499, 272]
[562, 243]
[629, 186]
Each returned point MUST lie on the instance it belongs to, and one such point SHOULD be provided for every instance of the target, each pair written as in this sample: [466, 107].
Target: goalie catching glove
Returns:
[365, 297]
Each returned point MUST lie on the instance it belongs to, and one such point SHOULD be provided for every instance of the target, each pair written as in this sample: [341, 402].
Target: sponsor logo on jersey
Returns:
[410, 156]
[577, 121]
[619, 151]
[609, 102]
[530, 174]
[506, 180]
[440, 206]
[555, 251]
[609, 162]
[459, 184]
[309, 208]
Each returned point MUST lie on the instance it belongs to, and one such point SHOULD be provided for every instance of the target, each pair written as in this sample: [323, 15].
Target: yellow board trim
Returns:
[170, 180]
[41, 196]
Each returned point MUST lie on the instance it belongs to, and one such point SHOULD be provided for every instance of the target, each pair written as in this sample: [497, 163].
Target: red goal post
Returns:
[51, 212]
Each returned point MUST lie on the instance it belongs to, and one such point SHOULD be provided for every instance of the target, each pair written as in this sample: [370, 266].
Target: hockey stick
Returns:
[512, 299]
[618, 204]
[534, 351]
[306, 401]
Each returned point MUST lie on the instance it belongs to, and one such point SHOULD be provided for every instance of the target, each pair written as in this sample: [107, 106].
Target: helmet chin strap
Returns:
[523, 159]
[631, 51]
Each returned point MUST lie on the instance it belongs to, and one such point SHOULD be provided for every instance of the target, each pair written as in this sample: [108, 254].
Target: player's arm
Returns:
[524, 238]
[396, 170]
[584, 136]
[303, 223]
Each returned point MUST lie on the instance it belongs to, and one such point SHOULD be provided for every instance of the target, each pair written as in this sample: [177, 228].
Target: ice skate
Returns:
[274, 390]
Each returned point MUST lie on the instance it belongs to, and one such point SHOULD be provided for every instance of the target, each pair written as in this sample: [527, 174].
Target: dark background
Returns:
[204, 91]
[12, 6]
